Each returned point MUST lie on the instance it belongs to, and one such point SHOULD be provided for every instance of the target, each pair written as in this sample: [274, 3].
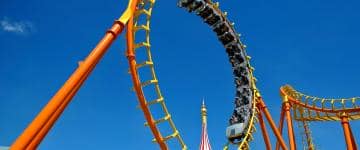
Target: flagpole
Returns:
[204, 144]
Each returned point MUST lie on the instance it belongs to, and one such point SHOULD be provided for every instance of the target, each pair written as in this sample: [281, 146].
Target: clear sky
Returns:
[310, 44]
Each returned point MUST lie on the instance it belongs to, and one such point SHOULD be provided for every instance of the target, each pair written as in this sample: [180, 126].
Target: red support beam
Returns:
[40, 126]
[352, 138]
[281, 125]
[264, 131]
[64, 95]
[347, 132]
[291, 134]
[42, 133]
[262, 108]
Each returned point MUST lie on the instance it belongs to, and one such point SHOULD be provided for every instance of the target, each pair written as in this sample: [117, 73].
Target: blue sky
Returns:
[312, 45]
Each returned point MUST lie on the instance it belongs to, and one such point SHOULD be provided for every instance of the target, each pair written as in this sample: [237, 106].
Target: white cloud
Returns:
[20, 27]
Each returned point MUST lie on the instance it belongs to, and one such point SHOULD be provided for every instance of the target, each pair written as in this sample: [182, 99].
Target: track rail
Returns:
[311, 108]
[142, 17]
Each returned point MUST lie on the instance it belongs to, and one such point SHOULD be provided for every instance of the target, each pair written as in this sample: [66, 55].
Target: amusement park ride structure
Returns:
[249, 105]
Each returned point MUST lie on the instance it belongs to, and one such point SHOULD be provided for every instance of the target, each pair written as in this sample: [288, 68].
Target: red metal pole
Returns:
[264, 132]
[352, 138]
[347, 132]
[42, 133]
[281, 124]
[38, 128]
[60, 97]
[262, 107]
[291, 134]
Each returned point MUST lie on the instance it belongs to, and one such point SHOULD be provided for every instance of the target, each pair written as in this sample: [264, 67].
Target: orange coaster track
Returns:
[144, 10]
[307, 108]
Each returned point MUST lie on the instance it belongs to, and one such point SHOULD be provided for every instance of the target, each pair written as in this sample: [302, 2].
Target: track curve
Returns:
[311, 108]
[246, 92]
[244, 81]
[141, 23]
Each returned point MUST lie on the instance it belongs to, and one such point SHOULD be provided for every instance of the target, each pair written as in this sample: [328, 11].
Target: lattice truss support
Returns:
[306, 138]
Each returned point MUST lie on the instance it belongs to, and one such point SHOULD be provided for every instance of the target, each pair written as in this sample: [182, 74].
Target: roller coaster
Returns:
[249, 110]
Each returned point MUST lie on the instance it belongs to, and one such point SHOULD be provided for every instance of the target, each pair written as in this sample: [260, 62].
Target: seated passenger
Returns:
[184, 3]
[226, 38]
[195, 5]
[244, 80]
[240, 57]
[234, 46]
[206, 12]
[221, 28]
[233, 120]
[245, 100]
[213, 18]
[230, 51]
[237, 102]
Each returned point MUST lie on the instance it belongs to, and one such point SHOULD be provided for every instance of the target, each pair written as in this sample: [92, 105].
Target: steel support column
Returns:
[291, 134]
[347, 132]
[264, 131]
[262, 108]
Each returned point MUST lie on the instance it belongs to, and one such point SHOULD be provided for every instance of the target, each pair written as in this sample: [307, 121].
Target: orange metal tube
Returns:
[262, 107]
[41, 134]
[60, 97]
[347, 132]
[281, 125]
[137, 85]
[291, 135]
[264, 132]
[353, 138]
[46, 118]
